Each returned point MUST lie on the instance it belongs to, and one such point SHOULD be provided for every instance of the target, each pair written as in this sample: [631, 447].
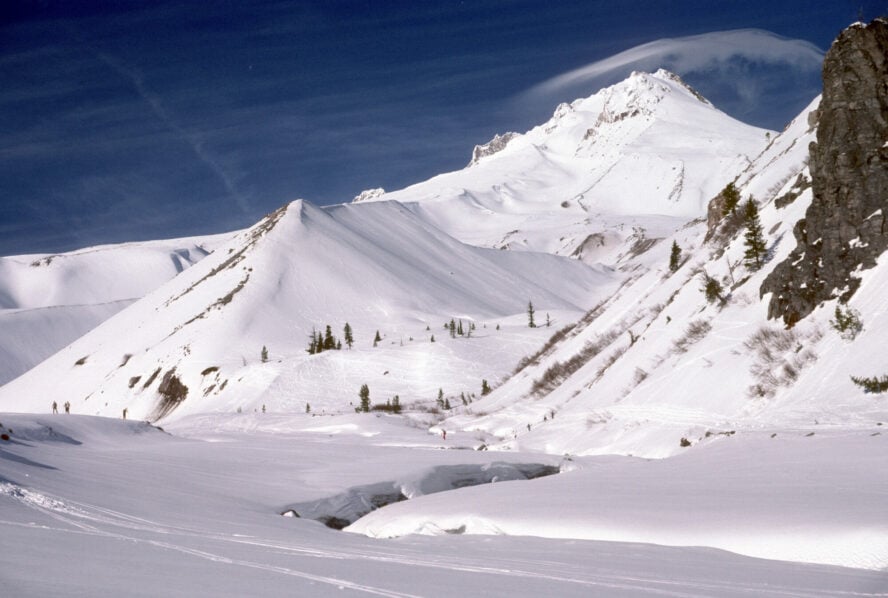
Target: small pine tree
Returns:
[433, 338]
[548, 321]
[329, 341]
[440, 401]
[376, 338]
[674, 257]
[459, 329]
[364, 395]
[264, 354]
[497, 327]
[447, 404]
[452, 329]
[307, 408]
[530, 312]
[847, 323]
[712, 289]
[754, 239]
[485, 388]
[732, 199]
[348, 334]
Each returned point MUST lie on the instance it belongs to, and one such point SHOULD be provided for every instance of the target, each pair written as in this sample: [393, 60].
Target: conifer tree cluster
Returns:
[319, 343]
[457, 329]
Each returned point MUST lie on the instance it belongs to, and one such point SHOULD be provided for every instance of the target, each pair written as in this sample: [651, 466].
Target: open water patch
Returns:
[343, 509]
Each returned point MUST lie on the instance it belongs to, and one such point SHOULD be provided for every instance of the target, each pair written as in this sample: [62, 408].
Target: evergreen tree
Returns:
[712, 289]
[754, 239]
[307, 408]
[338, 345]
[264, 354]
[485, 388]
[396, 404]
[329, 341]
[732, 199]
[313, 343]
[376, 338]
[433, 338]
[440, 401]
[530, 312]
[674, 257]
[348, 334]
[548, 321]
[447, 404]
[459, 329]
[364, 395]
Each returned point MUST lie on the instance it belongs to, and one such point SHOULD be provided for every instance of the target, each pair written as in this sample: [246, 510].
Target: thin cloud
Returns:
[723, 57]
[196, 144]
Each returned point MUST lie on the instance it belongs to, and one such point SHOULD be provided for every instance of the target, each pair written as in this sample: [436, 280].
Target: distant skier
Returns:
[444, 434]
[55, 407]
[124, 413]
[67, 406]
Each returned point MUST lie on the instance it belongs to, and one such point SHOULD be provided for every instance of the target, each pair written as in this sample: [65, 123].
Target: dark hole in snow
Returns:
[340, 511]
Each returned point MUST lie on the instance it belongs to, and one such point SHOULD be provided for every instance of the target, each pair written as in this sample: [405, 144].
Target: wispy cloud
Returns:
[736, 59]
[192, 140]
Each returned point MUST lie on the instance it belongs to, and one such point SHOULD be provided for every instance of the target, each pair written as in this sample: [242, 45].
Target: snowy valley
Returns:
[573, 386]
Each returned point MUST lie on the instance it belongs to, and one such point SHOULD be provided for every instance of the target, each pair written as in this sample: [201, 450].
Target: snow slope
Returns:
[374, 265]
[47, 301]
[96, 506]
[632, 162]
[655, 363]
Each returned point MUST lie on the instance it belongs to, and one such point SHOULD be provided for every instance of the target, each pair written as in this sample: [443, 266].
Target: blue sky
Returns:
[130, 120]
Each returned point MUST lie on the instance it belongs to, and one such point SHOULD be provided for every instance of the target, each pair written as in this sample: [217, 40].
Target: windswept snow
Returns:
[643, 155]
[374, 265]
[701, 450]
[47, 301]
[102, 506]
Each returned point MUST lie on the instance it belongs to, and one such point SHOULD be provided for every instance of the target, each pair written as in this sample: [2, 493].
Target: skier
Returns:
[55, 407]
[67, 406]
[124, 413]
[444, 434]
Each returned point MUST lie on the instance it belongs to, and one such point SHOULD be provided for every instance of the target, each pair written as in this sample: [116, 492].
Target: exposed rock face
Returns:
[844, 229]
[491, 147]
[368, 194]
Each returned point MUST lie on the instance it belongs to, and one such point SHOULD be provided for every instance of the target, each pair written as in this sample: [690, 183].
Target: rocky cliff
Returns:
[844, 229]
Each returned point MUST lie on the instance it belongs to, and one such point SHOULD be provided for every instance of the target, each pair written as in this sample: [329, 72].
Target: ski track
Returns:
[75, 516]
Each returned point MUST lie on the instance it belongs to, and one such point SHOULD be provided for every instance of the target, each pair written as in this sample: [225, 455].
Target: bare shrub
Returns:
[561, 370]
[151, 378]
[779, 357]
[695, 332]
[553, 340]
[611, 360]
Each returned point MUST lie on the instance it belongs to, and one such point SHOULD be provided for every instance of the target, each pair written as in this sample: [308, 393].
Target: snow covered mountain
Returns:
[196, 342]
[687, 430]
[629, 164]
[47, 301]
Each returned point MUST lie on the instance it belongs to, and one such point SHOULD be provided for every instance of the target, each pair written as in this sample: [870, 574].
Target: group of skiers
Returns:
[67, 406]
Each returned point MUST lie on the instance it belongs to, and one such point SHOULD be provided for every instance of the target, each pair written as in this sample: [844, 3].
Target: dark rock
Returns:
[844, 228]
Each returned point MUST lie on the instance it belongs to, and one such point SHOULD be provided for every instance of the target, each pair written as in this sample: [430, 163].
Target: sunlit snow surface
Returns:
[105, 507]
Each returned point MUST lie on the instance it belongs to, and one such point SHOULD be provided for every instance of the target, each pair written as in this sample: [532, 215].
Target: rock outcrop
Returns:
[844, 230]
[497, 144]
